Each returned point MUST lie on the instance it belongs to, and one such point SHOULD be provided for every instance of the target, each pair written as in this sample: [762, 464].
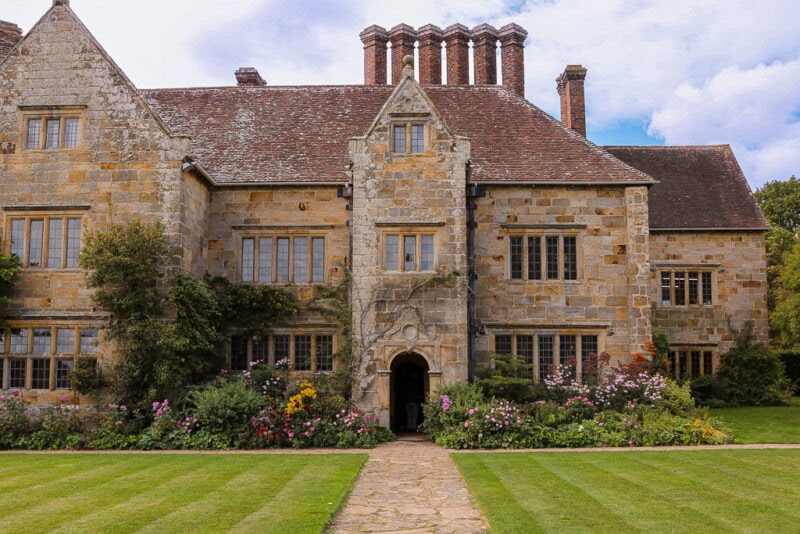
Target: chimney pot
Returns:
[456, 38]
[249, 76]
[402, 38]
[375, 39]
[573, 106]
[484, 51]
[512, 47]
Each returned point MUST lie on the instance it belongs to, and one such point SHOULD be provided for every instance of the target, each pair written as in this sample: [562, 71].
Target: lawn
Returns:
[722, 490]
[762, 424]
[70, 492]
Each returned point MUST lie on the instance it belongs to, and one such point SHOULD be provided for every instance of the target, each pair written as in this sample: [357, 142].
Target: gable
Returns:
[60, 64]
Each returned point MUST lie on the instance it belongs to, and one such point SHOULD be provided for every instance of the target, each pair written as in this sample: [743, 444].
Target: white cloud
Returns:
[755, 110]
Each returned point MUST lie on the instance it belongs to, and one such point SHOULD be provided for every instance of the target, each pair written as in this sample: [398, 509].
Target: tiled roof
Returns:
[700, 187]
[300, 134]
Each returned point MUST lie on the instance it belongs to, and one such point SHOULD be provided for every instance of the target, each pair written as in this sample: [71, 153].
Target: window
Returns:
[408, 138]
[48, 131]
[324, 353]
[543, 352]
[52, 241]
[409, 252]
[691, 363]
[549, 257]
[302, 351]
[686, 288]
[299, 259]
[43, 357]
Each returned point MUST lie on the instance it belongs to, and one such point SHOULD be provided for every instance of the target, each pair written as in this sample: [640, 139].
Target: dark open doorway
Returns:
[409, 388]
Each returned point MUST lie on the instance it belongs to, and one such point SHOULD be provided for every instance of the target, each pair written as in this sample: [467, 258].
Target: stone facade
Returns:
[468, 220]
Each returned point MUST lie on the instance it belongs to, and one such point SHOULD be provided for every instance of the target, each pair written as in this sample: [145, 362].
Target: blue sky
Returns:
[676, 72]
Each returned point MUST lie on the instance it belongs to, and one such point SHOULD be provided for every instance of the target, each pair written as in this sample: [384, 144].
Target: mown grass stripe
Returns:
[225, 504]
[148, 485]
[190, 482]
[650, 491]
[735, 496]
[496, 498]
[320, 491]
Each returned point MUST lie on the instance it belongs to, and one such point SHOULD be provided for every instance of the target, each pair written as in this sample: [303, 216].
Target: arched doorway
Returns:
[409, 388]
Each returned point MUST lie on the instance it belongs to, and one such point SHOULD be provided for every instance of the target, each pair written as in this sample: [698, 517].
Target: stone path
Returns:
[409, 486]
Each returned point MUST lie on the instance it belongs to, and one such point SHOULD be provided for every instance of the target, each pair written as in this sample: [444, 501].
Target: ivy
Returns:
[10, 267]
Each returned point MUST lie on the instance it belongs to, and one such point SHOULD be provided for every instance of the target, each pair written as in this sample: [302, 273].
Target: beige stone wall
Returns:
[737, 261]
[408, 312]
[609, 297]
[127, 164]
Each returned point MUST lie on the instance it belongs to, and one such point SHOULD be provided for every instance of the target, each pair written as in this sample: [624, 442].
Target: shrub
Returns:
[708, 390]
[507, 378]
[226, 410]
[14, 420]
[753, 375]
[677, 399]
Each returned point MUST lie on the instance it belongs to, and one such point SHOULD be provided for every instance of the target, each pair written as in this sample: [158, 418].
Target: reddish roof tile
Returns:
[300, 134]
[700, 187]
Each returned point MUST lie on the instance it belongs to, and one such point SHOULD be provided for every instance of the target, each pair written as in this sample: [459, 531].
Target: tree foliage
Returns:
[780, 202]
[10, 267]
[168, 332]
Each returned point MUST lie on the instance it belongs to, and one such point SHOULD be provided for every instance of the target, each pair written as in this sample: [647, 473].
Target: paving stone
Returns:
[409, 487]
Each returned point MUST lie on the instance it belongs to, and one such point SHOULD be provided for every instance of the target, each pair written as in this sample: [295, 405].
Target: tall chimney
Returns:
[484, 51]
[430, 54]
[456, 38]
[573, 107]
[374, 39]
[402, 38]
[10, 35]
[512, 47]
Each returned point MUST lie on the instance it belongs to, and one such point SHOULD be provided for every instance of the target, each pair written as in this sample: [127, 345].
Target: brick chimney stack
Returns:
[430, 54]
[375, 39]
[573, 106]
[402, 38]
[10, 35]
[456, 38]
[249, 76]
[512, 46]
[484, 52]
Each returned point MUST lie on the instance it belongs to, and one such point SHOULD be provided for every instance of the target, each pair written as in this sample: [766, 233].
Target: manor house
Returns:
[467, 220]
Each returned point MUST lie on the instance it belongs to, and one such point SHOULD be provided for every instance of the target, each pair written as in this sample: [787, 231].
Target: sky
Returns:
[677, 72]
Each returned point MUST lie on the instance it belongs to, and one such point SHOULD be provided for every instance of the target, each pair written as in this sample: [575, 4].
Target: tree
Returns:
[780, 202]
[168, 332]
[10, 267]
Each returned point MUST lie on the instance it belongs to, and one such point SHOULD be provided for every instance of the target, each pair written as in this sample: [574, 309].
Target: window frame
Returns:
[687, 286]
[546, 256]
[306, 351]
[409, 137]
[395, 244]
[36, 364]
[285, 261]
[543, 349]
[35, 229]
[59, 127]
[692, 361]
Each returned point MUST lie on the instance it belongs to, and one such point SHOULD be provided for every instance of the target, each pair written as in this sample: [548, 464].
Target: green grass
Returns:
[723, 490]
[762, 424]
[106, 493]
